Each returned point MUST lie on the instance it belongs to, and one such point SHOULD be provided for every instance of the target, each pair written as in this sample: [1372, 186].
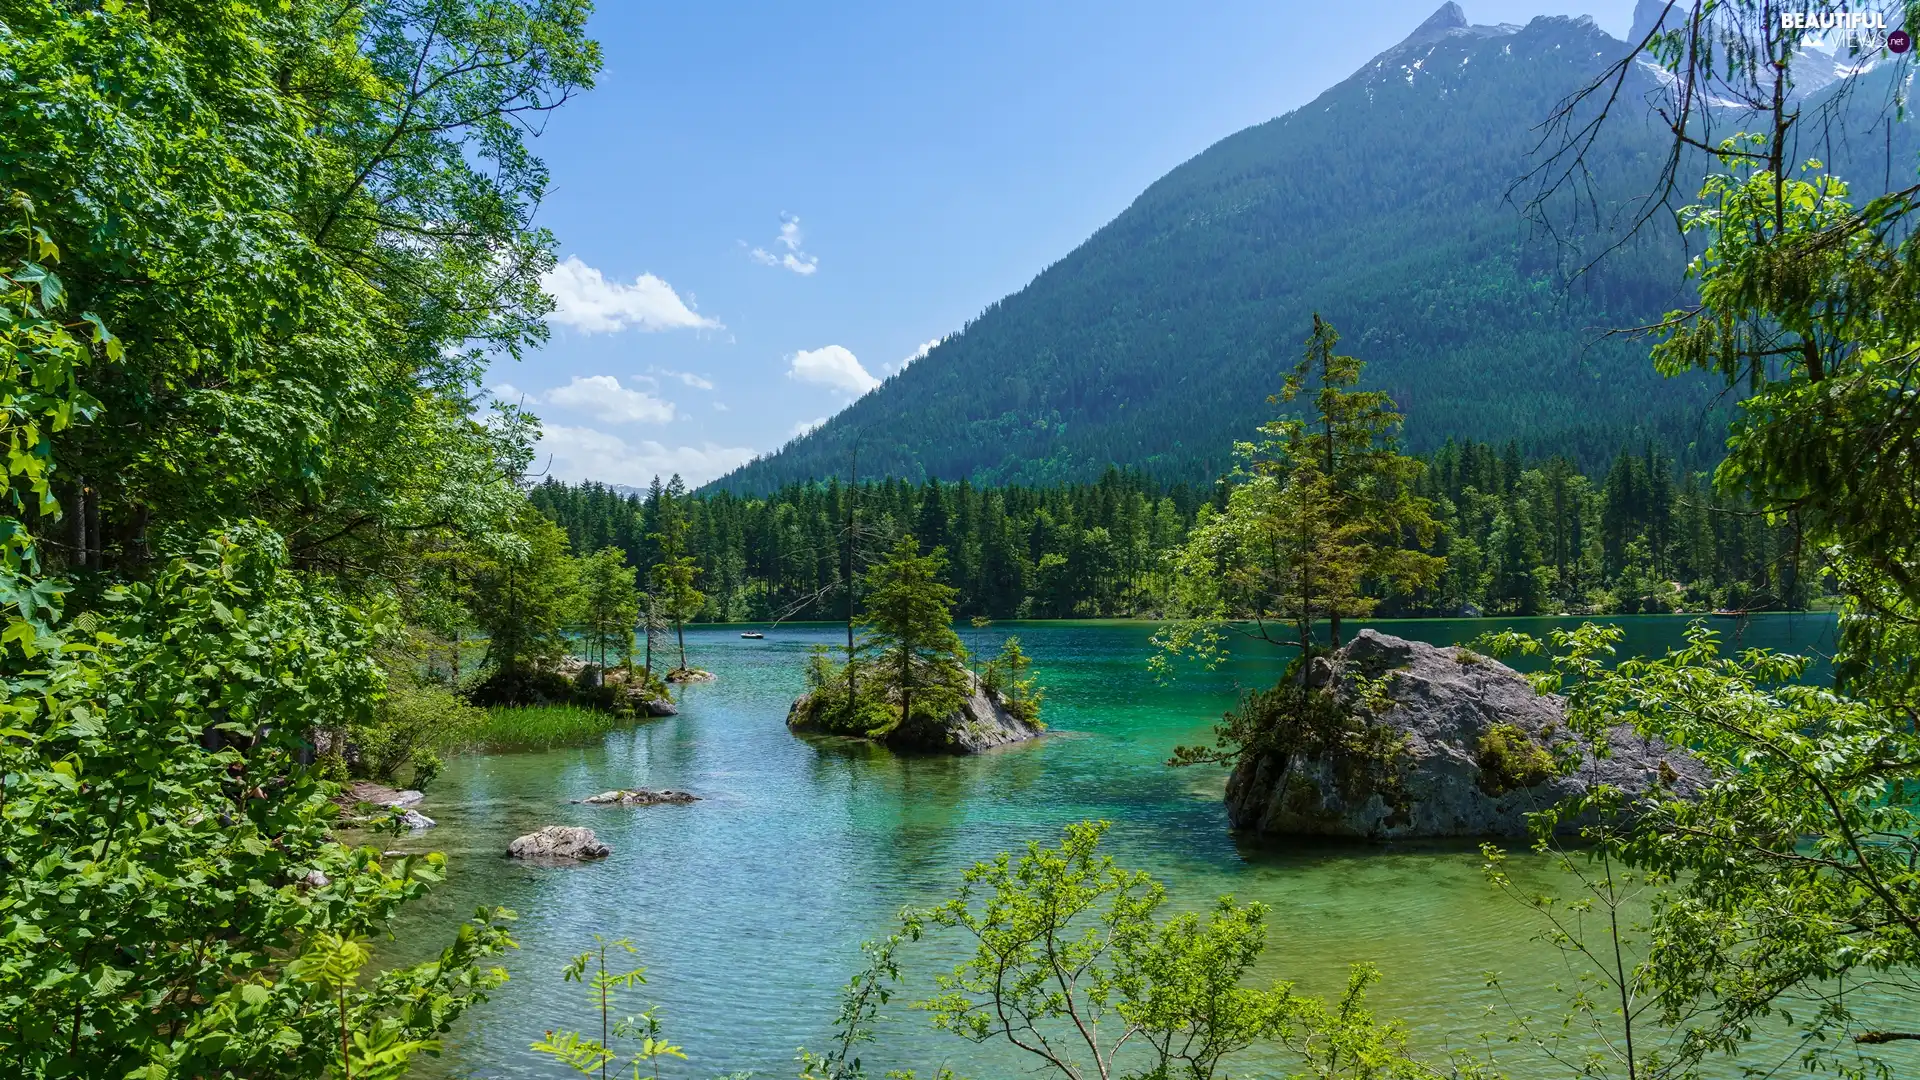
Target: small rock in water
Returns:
[559, 842]
[640, 797]
[404, 799]
[414, 819]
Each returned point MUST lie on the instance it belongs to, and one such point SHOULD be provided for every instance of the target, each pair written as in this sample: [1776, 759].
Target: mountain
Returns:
[1390, 205]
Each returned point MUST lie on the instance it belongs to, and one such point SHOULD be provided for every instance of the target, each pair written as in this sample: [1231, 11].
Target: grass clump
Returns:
[541, 727]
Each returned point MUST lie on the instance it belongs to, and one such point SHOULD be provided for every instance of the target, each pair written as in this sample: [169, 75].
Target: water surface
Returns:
[749, 907]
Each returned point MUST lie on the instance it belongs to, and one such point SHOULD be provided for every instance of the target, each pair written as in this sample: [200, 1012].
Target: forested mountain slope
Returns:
[1388, 205]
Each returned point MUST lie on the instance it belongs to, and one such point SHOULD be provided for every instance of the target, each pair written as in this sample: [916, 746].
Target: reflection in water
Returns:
[749, 906]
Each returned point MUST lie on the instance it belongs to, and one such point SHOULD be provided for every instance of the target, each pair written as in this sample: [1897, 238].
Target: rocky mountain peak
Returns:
[1450, 21]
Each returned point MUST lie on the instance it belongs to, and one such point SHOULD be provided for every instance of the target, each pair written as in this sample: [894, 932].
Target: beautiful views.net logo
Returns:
[1863, 29]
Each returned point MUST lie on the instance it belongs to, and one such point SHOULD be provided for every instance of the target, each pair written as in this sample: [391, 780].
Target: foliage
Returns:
[1807, 300]
[1611, 1023]
[1072, 963]
[587, 1055]
[1327, 507]
[308, 230]
[39, 377]
[523, 596]
[1274, 562]
[1794, 873]
[1519, 536]
[834, 702]
[1351, 435]
[1509, 759]
[167, 852]
[413, 721]
[866, 993]
[608, 605]
[675, 570]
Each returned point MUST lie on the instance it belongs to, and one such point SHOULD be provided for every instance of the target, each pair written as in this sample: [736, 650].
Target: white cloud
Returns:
[512, 394]
[806, 426]
[923, 350]
[603, 398]
[799, 264]
[688, 377]
[588, 302]
[585, 454]
[831, 365]
[793, 258]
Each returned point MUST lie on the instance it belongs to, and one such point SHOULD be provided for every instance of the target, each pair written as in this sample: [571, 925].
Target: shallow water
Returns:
[749, 907]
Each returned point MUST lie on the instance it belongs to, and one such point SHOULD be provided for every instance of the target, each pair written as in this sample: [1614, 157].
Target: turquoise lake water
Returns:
[749, 906]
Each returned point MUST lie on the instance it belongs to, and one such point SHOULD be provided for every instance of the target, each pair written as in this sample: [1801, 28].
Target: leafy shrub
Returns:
[167, 854]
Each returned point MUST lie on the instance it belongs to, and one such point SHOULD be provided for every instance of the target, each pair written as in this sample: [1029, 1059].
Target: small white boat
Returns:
[752, 634]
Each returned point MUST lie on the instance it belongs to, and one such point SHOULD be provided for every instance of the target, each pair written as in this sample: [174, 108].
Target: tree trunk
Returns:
[906, 685]
[77, 526]
[90, 498]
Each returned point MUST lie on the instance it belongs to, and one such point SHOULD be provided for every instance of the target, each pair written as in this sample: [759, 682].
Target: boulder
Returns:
[982, 722]
[559, 842]
[640, 797]
[1475, 748]
[414, 819]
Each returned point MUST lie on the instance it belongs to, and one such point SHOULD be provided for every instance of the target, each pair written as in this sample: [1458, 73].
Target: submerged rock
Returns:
[982, 722]
[687, 675]
[367, 791]
[559, 842]
[640, 797]
[1476, 749]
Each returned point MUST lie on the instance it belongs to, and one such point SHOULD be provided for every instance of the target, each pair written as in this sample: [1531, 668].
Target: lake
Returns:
[749, 907]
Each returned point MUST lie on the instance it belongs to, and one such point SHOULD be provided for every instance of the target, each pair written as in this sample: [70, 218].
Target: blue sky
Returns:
[762, 209]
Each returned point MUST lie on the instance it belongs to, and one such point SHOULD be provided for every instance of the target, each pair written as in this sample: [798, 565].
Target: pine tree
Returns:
[1351, 438]
[908, 631]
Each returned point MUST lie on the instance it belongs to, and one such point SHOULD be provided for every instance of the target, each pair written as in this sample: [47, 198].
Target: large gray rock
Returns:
[1444, 703]
[982, 722]
[559, 842]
